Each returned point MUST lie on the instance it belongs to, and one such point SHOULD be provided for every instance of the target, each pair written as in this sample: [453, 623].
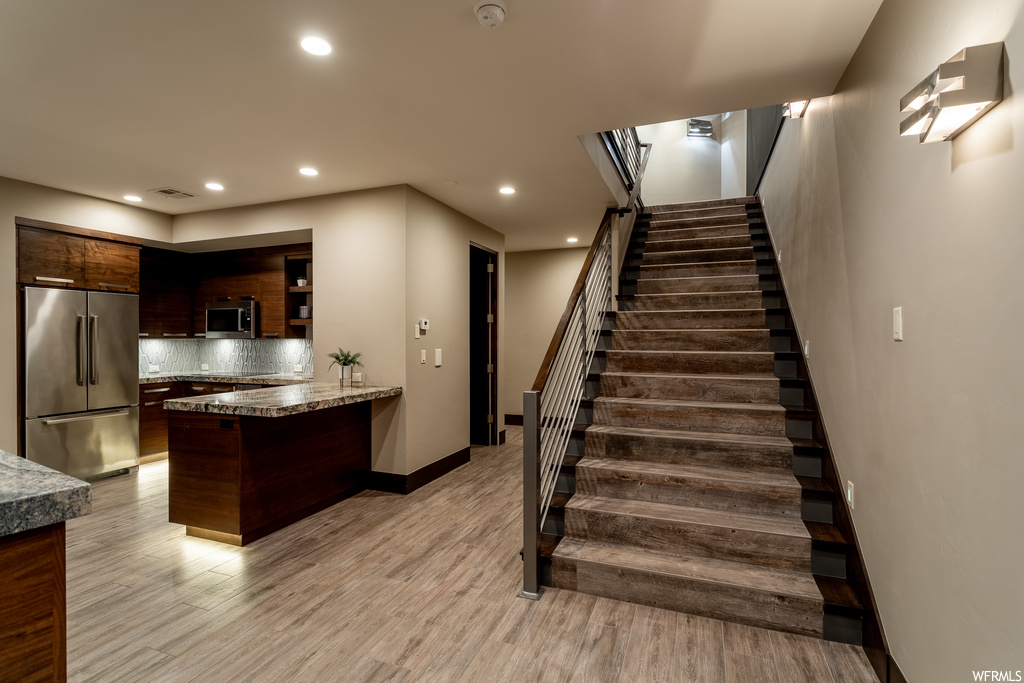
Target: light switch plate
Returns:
[437, 358]
[849, 494]
[779, 256]
[897, 323]
[415, 331]
[807, 349]
[423, 356]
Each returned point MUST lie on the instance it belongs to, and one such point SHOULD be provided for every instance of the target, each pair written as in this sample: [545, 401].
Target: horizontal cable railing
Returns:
[550, 408]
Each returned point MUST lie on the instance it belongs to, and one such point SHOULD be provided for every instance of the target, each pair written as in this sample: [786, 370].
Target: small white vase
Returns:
[345, 375]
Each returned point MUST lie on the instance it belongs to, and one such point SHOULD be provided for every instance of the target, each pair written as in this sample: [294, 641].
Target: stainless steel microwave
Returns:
[233, 320]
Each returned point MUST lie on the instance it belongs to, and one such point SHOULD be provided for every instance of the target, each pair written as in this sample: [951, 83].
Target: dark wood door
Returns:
[483, 346]
[50, 259]
[111, 267]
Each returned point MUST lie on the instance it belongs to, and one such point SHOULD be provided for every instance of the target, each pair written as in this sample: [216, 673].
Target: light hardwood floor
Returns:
[381, 587]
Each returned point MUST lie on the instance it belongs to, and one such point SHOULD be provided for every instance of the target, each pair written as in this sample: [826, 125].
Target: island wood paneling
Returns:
[249, 476]
[33, 631]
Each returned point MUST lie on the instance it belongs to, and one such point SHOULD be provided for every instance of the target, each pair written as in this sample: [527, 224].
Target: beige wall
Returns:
[437, 288]
[929, 429]
[538, 286]
[44, 203]
[734, 154]
[681, 168]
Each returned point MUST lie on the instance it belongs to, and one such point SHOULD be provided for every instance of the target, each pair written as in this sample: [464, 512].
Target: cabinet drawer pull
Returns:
[156, 391]
[175, 334]
[194, 388]
[62, 280]
[271, 334]
[143, 334]
[199, 334]
[152, 403]
[114, 286]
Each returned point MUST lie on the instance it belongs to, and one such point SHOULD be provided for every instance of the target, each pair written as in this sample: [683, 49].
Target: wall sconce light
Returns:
[955, 95]
[699, 128]
[795, 110]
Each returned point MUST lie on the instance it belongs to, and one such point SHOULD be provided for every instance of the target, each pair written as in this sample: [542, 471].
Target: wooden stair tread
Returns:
[695, 294]
[718, 264]
[763, 354]
[745, 378]
[770, 441]
[824, 532]
[677, 403]
[782, 480]
[697, 251]
[837, 592]
[548, 543]
[559, 499]
[779, 581]
[701, 277]
[679, 513]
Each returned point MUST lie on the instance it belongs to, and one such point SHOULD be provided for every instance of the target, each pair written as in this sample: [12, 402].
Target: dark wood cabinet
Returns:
[153, 417]
[51, 259]
[56, 259]
[165, 289]
[111, 266]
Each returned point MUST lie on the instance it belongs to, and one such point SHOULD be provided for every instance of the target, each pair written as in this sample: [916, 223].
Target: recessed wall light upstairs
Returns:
[316, 46]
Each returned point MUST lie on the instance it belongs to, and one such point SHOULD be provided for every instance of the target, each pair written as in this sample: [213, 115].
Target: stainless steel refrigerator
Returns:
[81, 379]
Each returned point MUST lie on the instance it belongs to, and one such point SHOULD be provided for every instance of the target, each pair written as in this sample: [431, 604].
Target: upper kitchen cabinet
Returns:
[50, 258]
[63, 256]
[166, 282]
[111, 266]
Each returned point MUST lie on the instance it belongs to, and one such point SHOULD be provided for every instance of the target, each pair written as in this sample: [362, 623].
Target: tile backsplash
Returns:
[226, 355]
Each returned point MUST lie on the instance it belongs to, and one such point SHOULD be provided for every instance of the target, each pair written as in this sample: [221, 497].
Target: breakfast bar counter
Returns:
[247, 463]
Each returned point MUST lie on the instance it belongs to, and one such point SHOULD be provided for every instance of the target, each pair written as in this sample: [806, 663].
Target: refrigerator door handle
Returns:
[81, 341]
[82, 418]
[94, 335]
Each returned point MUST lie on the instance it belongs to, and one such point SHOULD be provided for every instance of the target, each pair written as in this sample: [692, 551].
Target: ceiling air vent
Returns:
[172, 193]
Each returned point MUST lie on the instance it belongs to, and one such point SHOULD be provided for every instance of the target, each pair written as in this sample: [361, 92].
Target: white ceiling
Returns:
[115, 97]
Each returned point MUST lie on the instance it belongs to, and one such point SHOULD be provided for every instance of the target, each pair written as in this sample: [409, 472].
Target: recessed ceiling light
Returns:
[316, 46]
[572, 240]
[507, 190]
[308, 171]
[214, 186]
[132, 198]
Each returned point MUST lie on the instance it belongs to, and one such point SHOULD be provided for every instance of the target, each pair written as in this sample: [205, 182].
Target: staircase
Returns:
[696, 484]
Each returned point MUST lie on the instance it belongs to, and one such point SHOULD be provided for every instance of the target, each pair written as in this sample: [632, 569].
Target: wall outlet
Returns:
[849, 494]
[423, 356]
[204, 367]
[897, 323]
[154, 368]
[357, 378]
[807, 349]
[298, 367]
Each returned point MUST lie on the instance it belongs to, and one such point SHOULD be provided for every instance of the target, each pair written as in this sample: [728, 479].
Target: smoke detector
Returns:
[490, 12]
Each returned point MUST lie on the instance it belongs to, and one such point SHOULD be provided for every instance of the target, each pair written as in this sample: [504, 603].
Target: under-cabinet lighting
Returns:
[309, 171]
[955, 95]
[132, 198]
[316, 46]
[795, 110]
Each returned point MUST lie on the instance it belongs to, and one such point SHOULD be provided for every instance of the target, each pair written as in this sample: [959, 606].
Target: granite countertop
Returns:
[280, 378]
[32, 496]
[280, 401]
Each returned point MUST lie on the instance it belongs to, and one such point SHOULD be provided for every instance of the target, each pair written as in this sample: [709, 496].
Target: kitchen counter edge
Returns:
[280, 401]
[33, 496]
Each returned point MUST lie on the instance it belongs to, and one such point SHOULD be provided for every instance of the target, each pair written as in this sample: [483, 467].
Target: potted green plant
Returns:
[344, 360]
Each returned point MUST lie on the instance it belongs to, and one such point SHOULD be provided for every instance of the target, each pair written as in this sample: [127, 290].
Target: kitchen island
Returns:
[35, 502]
[247, 463]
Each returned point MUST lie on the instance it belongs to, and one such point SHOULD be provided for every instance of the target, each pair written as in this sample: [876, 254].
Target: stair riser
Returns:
[691, 340]
[703, 540]
[702, 598]
[698, 256]
[742, 283]
[690, 363]
[740, 229]
[698, 269]
[657, 243]
[713, 494]
[692, 419]
[697, 221]
[709, 212]
[729, 389]
[690, 320]
[702, 453]
[699, 301]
